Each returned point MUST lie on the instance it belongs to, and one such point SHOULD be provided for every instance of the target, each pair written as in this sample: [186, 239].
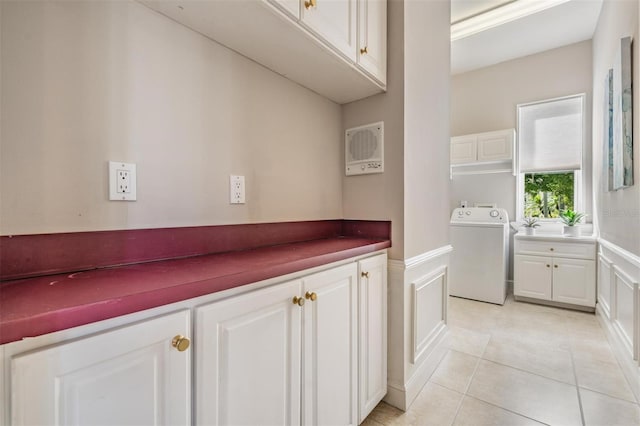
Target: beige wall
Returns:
[381, 196]
[618, 212]
[87, 82]
[426, 121]
[416, 119]
[486, 99]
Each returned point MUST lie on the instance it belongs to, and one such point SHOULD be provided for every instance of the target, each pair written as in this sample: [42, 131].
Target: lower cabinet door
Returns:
[372, 333]
[128, 376]
[532, 276]
[330, 362]
[248, 358]
[574, 281]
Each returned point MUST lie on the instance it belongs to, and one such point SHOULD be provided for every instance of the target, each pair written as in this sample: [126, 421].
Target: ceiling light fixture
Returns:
[501, 15]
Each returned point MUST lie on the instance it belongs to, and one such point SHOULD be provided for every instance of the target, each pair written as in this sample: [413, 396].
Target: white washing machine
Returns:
[480, 260]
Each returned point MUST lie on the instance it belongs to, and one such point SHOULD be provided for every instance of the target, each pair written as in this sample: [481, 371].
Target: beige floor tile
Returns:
[384, 414]
[474, 412]
[602, 410]
[435, 405]
[603, 377]
[598, 350]
[536, 397]
[467, 341]
[455, 371]
[532, 355]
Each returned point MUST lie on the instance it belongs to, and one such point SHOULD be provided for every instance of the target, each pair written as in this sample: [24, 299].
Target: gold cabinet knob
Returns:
[364, 51]
[548, 266]
[308, 4]
[365, 274]
[181, 343]
[551, 249]
[555, 266]
[311, 296]
[298, 301]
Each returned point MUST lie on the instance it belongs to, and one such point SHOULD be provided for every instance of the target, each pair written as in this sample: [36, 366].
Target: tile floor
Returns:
[520, 364]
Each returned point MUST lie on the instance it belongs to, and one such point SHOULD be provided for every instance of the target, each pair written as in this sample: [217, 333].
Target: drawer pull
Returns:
[365, 274]
[298, 300]
[310, 296]
[309, 4]
[551, 249]
[555, 266]
[548, 266]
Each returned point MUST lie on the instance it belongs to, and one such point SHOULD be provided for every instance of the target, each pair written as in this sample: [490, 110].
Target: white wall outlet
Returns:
[122, 181]
[236, 189]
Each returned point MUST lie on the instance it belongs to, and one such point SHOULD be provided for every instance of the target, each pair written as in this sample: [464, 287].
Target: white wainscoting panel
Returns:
[429, 311]
[604, 285]
[618, 277]
[417, 304]
[624, 319]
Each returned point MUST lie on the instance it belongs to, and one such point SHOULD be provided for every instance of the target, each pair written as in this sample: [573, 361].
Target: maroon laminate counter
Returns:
[43, 304]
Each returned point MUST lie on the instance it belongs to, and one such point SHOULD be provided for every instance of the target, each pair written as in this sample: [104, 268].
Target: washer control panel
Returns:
[479, 214]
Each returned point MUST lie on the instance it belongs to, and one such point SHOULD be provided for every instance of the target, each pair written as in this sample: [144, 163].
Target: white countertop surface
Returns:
[556, 237]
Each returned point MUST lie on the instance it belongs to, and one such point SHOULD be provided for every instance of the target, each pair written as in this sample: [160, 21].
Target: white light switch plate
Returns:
[122, 181]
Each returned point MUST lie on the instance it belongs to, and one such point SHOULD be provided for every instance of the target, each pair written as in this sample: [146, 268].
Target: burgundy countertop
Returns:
[35, 306]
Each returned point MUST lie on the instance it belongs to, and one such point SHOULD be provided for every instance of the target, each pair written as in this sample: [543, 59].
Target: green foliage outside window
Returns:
[546, 195]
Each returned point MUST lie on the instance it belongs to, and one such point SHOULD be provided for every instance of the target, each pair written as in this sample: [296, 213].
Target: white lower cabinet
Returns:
[309, 351]
[128, 376]
[565, 274]
[372, 333]
[260, 355]
[247, 355]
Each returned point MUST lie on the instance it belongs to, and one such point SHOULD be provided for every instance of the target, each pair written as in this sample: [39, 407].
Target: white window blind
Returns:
[551, 135]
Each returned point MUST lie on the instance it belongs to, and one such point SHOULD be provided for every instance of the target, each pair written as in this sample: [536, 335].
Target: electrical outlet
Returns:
[236, 189]
[122, 181]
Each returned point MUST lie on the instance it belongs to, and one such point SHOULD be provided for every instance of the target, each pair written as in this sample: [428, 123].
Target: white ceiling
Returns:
[570, 22]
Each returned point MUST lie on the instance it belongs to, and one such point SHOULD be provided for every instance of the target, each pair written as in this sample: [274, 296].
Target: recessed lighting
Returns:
[501, 15]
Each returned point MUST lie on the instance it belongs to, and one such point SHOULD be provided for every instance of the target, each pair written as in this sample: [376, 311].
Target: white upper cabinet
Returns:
[311, 42]
[463, 149]
[483, 147]
[333, 21]
[372, 38]
[291, 7]
[495, 146]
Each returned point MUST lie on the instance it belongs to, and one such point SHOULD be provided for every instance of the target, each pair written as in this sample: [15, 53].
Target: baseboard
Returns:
[403, 396]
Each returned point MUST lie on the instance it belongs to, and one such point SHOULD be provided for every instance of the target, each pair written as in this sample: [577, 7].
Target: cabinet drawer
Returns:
[552, 248]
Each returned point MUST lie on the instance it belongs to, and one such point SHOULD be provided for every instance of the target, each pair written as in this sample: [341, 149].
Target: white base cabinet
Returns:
[373, 333]
[248, 359]
[128, 376]
[562, 272]
[311, 350]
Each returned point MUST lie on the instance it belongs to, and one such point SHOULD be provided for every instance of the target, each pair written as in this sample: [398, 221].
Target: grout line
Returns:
[575, 376]
[466, 389]
[508, 410]
[529, 372]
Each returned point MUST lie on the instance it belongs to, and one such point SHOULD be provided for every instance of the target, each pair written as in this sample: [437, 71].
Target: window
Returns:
[550, 156]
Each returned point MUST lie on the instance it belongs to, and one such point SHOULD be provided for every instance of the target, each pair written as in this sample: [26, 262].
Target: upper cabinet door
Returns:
[372, 38]
[129, 376]
[495, 146]
[463, 149]
[334, 21]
